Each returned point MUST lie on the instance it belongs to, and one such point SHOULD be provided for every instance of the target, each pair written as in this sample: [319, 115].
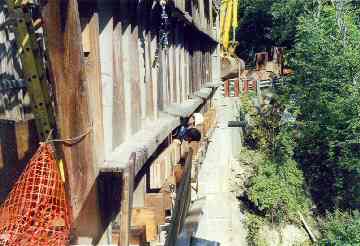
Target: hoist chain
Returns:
[163, 31]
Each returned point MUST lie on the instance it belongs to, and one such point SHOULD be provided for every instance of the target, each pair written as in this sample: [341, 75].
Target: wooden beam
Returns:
[184, 109]
[93, 77]
[119, 116]
[138, 236]
[144, 143]
[126, 202]
[62, 23]
[145, 217]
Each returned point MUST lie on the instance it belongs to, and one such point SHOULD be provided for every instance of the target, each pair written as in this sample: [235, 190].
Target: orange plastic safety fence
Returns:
[36, 211]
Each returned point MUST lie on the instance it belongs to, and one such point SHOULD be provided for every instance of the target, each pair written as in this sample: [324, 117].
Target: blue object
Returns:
[182, 132]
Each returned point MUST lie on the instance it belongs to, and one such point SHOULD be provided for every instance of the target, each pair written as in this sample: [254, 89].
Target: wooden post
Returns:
[73, 105]
[254, 85]
[126, 202]
[227, 88]
[236, 87]
[246, 86]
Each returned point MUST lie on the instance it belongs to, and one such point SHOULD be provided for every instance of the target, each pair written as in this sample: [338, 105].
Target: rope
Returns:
[69, 141]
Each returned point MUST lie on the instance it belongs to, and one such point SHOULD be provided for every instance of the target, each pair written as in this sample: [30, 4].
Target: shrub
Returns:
[341, 229]
[277, 190]
[253, 224]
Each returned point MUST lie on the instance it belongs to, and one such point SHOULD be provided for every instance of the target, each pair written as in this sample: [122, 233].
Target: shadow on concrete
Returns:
[100, 209]
[191, 223]
[203, 242]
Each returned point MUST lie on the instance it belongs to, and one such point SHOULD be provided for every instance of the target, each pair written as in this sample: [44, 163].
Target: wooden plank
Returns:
[150, 109]
[177, 64]
[184, 109]
[86, 38]
[131, 67]
[145, 217]
[157, 202]
[178, 173]
[126, 202]
[93, 76]
[172, 70]
[119, 116]
[183, 68]
[138, 236]
[155, 77]
[162, 168]
[71, 89]
[140, 18]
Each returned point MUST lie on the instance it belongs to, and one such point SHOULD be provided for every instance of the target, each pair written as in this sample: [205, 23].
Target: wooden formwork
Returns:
[93, 47]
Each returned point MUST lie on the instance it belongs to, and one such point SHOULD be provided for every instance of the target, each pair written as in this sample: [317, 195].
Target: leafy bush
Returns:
[277, 190]
[265, 113]
[341, 229]
[254, 224]
[325, 87]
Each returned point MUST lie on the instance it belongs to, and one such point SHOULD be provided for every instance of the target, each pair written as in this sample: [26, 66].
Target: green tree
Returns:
[264, 24]
[341, 229]
[326, 90]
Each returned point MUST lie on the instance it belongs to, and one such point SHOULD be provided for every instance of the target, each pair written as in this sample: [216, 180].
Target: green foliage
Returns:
[254, 224]
[253, 34]
[285, 14]
[277, 190]
[324, 94]
[326, 90]
[265, 114]
[341, 229]
[264, 24]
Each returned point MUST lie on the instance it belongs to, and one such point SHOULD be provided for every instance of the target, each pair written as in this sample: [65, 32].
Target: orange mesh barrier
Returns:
[36, 211]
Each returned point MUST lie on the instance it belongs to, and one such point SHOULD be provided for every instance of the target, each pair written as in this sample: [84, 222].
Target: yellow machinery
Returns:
[33, 64]
[228, 25]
